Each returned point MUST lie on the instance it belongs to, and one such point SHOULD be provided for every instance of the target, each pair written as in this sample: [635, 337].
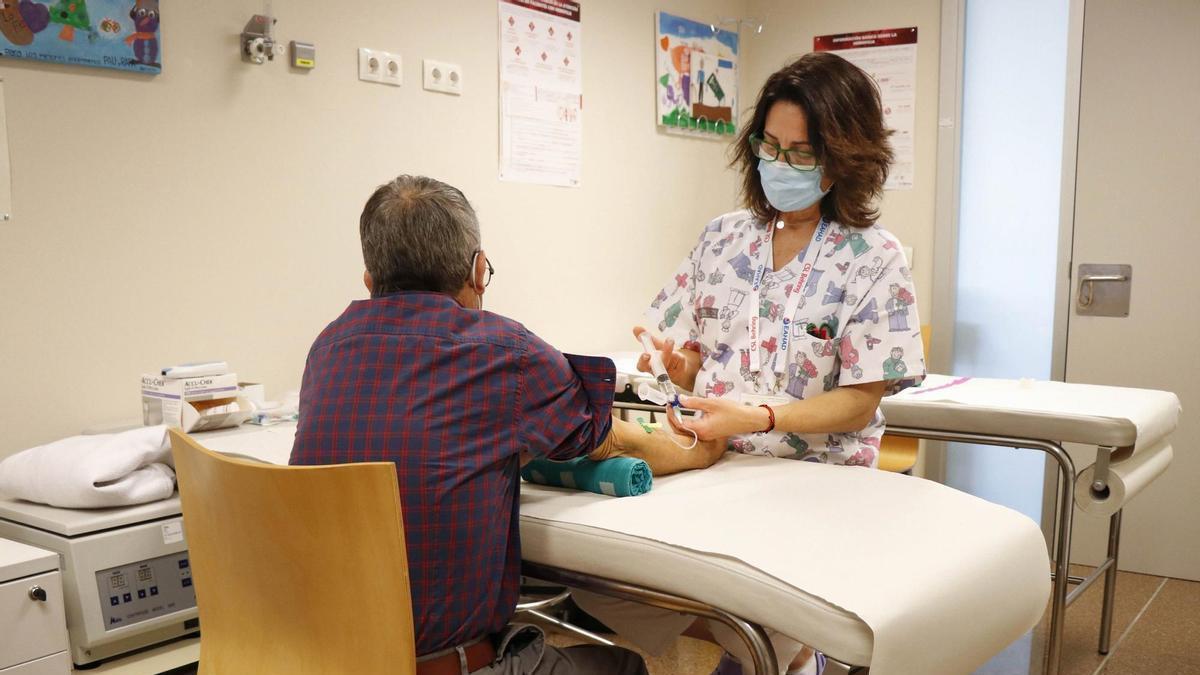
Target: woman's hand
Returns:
[678, 365]
[722, 418]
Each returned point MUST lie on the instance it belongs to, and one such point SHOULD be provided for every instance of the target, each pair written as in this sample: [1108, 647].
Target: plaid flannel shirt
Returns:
[451, 396]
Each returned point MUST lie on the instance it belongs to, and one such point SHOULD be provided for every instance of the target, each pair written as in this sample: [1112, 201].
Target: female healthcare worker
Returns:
[797, 314]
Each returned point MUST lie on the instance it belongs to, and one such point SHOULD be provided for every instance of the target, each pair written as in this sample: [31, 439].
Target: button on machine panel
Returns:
[143, 590]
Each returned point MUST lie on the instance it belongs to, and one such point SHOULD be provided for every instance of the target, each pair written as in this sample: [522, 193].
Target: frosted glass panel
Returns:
[1014, 82]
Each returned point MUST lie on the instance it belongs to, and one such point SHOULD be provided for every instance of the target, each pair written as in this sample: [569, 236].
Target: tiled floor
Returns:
[1156, 631]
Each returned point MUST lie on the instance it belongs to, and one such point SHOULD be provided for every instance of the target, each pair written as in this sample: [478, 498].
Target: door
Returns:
[1137, 202]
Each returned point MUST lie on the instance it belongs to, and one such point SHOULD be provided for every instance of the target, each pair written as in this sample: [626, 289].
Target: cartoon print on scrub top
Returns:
[875, 272]
[798, 376]
[783, 278]
[894, 368]
[717, 388]
[812, 284]
[867, 453]
[743, 267]
[731, 309]
[744, 364]
[671, 316]
[721, 354]
[719, 247]
[659, 299]
[849, 357]
[858, 245]
[836, 295]
[769, 310]
[796, 443]
[845, 293]
[769, 346]
[897, 308]
[870, 313]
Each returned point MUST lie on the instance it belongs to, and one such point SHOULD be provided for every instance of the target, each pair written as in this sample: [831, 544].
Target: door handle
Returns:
[1087, 292]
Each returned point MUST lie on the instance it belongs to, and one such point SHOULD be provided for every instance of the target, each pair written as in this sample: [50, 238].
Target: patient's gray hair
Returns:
[418, 234]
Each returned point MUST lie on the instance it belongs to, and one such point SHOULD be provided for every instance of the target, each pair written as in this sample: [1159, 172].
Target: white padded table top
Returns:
[898, 573]
[1053, 411]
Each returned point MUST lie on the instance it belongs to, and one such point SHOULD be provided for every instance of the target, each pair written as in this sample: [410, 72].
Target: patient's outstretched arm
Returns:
[657, 449]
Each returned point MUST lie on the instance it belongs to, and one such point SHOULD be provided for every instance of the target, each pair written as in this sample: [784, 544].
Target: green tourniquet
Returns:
[616, 477]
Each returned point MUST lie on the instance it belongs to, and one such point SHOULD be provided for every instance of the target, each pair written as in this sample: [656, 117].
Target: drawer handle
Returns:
[38, 594]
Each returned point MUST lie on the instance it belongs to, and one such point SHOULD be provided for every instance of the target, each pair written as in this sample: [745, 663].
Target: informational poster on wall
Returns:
[890, 57]
[120, 34]
[696, 77]
[541, 92]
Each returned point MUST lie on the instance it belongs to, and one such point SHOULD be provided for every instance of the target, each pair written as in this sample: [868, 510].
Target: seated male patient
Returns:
[458, 398]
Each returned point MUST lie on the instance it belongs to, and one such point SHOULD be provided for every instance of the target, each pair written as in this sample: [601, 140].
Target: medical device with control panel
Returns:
[126, 578]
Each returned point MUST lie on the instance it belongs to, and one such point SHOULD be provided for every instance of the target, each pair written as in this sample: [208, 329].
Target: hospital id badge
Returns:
[764, 399]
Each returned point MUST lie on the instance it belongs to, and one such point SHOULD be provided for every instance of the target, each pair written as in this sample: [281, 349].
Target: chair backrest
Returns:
[296, 569]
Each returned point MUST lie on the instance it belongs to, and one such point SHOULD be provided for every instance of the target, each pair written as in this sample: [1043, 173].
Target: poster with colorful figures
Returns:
[696, 77]
[120, 34]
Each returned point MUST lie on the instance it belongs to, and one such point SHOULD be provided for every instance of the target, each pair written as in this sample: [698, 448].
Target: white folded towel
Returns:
[132, 467]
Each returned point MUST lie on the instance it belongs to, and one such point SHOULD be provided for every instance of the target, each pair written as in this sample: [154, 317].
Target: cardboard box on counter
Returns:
[194, 403]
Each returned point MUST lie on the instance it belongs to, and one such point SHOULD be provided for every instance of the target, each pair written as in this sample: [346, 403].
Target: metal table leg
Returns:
[1062, 539]
[1062, 559]
[763, 654]
[1110, 581]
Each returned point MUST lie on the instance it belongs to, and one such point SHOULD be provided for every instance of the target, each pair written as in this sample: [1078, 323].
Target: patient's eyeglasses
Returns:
[487, 279]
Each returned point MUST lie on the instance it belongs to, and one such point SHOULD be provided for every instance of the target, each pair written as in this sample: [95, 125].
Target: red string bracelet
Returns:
[771, 413]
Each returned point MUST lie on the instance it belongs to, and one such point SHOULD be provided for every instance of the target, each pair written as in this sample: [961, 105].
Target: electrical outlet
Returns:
[393, 70]
[442, 76]
[370, 65]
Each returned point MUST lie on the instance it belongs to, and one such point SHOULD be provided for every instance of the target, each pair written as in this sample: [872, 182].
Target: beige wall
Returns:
[788, 33]
[211, 212]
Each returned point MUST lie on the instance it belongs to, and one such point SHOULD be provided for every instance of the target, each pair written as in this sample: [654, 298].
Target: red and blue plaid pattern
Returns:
[451, 396]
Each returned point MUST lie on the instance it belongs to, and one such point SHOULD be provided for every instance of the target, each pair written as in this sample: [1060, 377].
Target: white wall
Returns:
[788, 33]
[211, 212]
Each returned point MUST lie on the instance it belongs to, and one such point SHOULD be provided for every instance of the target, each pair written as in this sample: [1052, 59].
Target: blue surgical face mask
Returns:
[788, 189]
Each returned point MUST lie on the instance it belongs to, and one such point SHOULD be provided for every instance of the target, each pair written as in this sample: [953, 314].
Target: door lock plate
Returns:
[1103, 290]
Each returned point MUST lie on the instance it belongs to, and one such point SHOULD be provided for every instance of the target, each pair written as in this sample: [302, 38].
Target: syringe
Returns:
[660, 375]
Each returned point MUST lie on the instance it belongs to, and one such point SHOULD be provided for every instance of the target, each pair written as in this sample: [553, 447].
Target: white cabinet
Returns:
[32, 618]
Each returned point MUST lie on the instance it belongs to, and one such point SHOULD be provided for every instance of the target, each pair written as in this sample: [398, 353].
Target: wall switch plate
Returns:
[304, 55]
[393, 70]
[370, 65]
[442, 76]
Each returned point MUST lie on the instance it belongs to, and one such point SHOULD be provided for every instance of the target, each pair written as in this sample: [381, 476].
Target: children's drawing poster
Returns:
[120, 34]
[696, 77]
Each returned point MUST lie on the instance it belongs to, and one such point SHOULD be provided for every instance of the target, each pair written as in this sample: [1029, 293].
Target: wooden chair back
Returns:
[297, 569]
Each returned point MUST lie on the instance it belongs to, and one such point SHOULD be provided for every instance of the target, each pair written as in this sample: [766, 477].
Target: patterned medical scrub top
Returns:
[860, 287]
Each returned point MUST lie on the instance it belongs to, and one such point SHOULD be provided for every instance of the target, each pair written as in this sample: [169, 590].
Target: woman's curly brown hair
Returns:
[845, 128]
